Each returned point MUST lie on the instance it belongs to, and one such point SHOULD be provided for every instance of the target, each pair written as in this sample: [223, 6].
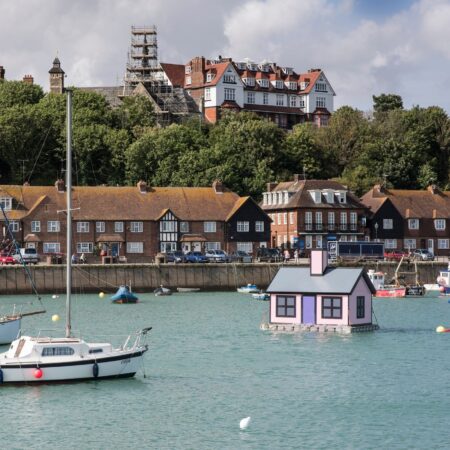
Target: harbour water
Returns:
[209, 366]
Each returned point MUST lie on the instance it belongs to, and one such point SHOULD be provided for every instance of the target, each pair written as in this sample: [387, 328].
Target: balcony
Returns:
[343, 227]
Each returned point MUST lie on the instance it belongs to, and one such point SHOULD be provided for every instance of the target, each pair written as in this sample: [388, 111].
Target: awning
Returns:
[32, 238]
[110, 238]
[193, 238]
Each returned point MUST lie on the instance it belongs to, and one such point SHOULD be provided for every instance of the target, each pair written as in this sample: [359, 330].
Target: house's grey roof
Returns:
[336, 280]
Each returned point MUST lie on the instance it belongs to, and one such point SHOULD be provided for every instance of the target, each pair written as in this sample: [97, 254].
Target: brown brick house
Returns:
[134, 223]
[410, 219]
[308, 213]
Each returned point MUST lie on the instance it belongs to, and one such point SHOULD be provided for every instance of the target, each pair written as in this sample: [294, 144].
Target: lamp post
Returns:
[376, 231]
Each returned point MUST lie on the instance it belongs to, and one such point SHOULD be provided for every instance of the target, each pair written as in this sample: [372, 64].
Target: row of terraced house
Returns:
[135, 223]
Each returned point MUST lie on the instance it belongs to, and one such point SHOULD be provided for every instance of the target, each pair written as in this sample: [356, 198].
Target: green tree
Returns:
[18, 93]
[135, 114]
[386, 102]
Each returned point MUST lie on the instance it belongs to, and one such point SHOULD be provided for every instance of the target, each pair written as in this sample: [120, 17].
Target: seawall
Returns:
[146, 277]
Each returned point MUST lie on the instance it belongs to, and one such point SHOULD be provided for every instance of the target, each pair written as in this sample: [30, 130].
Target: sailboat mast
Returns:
[69, 211]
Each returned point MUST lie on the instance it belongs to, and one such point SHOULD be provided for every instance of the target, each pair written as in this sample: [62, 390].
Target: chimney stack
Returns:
[433, 189]
[28, 79]
[142, 186]
[218, 187]
[271, 186]
[60, 186]
[2, 73]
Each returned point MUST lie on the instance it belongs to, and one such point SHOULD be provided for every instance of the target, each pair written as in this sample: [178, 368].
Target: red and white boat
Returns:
[382, 290]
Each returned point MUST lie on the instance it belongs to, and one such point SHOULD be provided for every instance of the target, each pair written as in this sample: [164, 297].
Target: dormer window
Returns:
[263, 82]
[249, 81]
[241, 65]
[329, 196]
[263, 67]
[279, 84]
[209, 77]
[287, 70]
[188, 69]
[316, 196]
[252, 67]
[286, 197]
[321, 87]
[303, 85]
[292, 85]
[267, 199]
[6, 203]
[274, 198]
[342, 196]
[280, 198]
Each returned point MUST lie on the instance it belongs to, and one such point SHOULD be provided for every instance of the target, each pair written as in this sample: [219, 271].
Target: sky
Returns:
[365, 47]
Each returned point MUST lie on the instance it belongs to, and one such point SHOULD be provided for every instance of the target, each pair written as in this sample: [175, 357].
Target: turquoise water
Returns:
[209, 366]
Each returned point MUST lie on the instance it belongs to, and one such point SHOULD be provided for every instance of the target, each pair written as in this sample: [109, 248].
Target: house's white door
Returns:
[197, 247]
[431, 246]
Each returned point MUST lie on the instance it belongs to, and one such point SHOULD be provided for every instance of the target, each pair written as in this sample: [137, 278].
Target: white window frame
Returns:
[118, 227]
[291, 218]
[6, 202]
[413, 224]
[207, 93]
[35, 226]
[55, 246]
[136, 227]
[229, 78]
[439, 224]
[212, 246]
[244, 247]
[308, 241]
[135, 247]
[229, 94]
[319, 241]
[53, 226]
[209, 227]
[184, 227]
[321, 102]
[390, 243]
[85, 247]
[293, 101]
[443, 244]
[259, 226]
[388, 224]
[82, 227]
[251, 98]
[14, 226]
[100, 227]
[168, 247]
[265, 98]
[168, 226]
[280, 216]
[308, 220]
[410, 244]
[243, 226]
[280, 100]
[285, 221]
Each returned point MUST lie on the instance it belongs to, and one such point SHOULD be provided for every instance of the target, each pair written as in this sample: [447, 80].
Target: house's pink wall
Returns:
[273, 311]
[321, 321]
[360, 289]
[319, 260]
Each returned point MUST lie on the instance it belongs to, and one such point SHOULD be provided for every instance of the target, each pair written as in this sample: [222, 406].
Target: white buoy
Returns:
[244, 423]
[55, 296]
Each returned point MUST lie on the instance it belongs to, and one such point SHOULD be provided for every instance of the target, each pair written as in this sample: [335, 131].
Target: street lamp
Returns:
[376, 231]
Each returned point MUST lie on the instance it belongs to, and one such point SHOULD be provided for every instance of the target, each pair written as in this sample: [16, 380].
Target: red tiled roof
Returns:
[219, 69]
[312, 77]
[175, 73]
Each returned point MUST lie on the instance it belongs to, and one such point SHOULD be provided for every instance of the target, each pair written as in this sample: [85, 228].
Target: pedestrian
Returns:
[286, 255]
[296, 256]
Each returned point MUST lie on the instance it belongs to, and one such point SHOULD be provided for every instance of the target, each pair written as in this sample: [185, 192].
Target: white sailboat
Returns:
[46, 359]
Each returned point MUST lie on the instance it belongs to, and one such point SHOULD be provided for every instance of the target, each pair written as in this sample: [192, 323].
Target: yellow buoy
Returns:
[101, 295]
[440, 329]
[55, 318]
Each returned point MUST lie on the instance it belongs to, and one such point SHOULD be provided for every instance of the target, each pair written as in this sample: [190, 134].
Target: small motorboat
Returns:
[263, 296]
[443, 281]
[184, 289]
[162, 291]
[249, 289]
[415, 290]
[124, 295]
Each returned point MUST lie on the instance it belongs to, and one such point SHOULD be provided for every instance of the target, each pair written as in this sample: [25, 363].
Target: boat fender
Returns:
[1, 376]
[95, 370]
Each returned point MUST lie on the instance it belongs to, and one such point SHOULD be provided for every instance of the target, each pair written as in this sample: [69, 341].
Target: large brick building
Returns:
[134, 223]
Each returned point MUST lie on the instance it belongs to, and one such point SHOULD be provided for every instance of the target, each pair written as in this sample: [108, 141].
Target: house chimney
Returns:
[60, 187]
[26, 183]
[142, 186]
[2, 73]
[218, 187]
[296, 177]
[271, 186]
[319, 262]
[433, 189]
[198, 70]
[28, 79]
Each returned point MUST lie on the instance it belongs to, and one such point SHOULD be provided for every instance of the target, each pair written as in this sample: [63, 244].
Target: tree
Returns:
[18, 93]
[135, 114]
[386, 102]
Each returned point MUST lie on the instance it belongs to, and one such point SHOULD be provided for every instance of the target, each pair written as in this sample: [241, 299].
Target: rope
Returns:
[80, 270]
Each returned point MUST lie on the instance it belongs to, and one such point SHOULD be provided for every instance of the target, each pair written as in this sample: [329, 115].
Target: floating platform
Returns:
[341, 329]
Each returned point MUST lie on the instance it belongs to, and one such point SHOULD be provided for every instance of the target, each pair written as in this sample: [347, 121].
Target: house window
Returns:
[188, 80]
[229, 79]
[188, 69]
[318, 220]
[410, 244]
[184, 227]
[321, 87]
[343, 221]
[331, 221]
[100, 227]
[308, 220]
[136, 227]
[259, 226]
[439, 224]
[135, 247]
[207, 93]
[360, 307]
[331, 307]
[53, 226]
[84, 247]
[6, 203]
[413, 224]
[320, 102]
[302, 102]
[36, 226]
[291, 218]
[292, 85]
[390, 243]
[249, 81]
[230, 94]
[279, 218]
[118, 227]
[244, 247]
[209, 227]
[251, 97]
[388, 224]
[319, 241]
[168, 247]
[279, 84]
[293, 101]
[82, 227]
[243, 226]
[51, 247]
[280, 100]
[265, 98]
[308, 241]
[443, 244]
[168, 226]
[14, 226]
[209, 77]
[212, 246]
[285, 306]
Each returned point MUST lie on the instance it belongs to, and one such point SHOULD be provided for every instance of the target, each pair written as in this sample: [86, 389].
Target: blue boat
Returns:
[124, 295]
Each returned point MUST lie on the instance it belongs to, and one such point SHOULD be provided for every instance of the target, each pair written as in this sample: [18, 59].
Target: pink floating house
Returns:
[320, 298]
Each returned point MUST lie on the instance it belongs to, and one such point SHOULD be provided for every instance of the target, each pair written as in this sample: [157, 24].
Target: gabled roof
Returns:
[218, 69]
[335, 280]
[174, 72]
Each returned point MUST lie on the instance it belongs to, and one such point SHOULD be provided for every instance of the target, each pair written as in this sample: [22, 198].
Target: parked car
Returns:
[217, 256]
[5, 258]
[27, 255]
[175, 257]
[422, 254]
[395, 255]
[241, 256]
[196, 257]
[265, 254]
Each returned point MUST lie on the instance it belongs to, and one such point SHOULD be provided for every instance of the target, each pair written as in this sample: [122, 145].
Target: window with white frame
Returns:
[251, 97]
[443, 244]
[279, 84]
[265, 98]
[6, 203]
[319, 241]
[388, 224]
[14, 225]
[331, 221]
[410, 244]
[51, 247]
[390, 243]
[100, 227]
[243, 227]
[168, 247]
[302, 102]
[413, 224]
[118, 227]
[343, 220]
[244, 247]
[229, 94]
[53, 226]
[188, 79]
[263, 82]
[184, 227]
[212, 246]
[321, 87]
[318, 220]
[136, 227]
[285, 218]
[135, 247]
[293, 101]
[292, 85]
[320, 102]
[187, 69]
[259, 226]
[291, 218]
[280, 216]
[308, 220]
[35, 226]
[85, 247]
[209, 77]
[249, 81]
[168, 226]
[280, 100]
[228, 78]
[308, 241]
[439, 224]
[82, 227]
[207, 94]
[209, 227]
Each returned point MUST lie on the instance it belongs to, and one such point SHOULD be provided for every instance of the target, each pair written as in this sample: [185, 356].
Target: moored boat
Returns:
[443, 280]
[9, 328]
[184, 289]
[124, 295]
[264, 296]
[249, 289]
[162, 291]
[382, 290]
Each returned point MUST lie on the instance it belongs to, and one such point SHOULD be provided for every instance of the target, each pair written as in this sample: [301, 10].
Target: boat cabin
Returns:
[321, 298]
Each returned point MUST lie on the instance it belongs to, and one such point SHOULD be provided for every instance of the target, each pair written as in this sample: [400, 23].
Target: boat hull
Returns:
[391, 292]
[9, 330]
[125, 300]
[121, 365]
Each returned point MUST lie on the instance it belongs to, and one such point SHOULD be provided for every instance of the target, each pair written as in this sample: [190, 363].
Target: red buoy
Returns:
[38, 373]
